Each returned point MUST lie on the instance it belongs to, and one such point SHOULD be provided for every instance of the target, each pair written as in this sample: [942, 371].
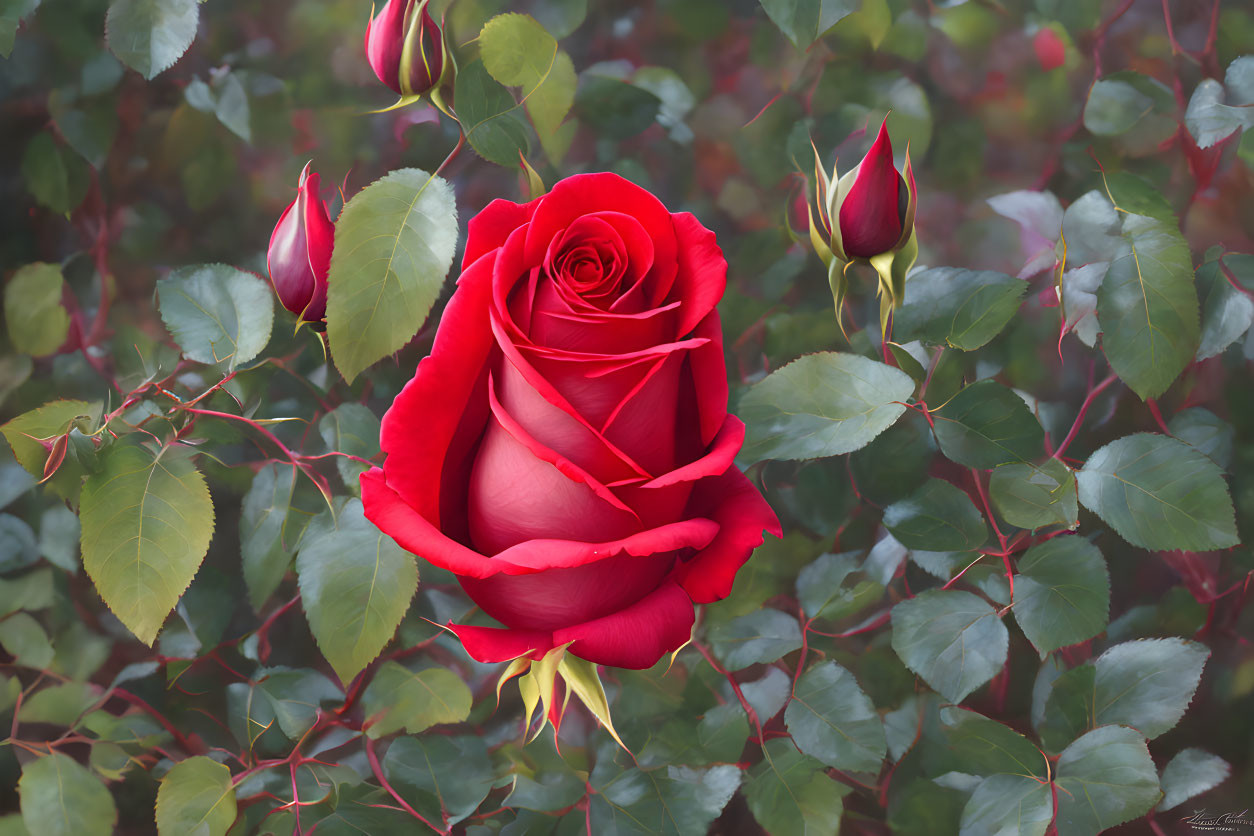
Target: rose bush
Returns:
[566, 449]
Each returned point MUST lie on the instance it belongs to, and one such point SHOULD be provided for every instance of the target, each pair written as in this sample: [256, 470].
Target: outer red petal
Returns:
[429, 429]
[320, 240]
[702, 275]
[385, 37]
[488, 230]
[497, 644]
[636, 637]
[742, 514]
[870, 215]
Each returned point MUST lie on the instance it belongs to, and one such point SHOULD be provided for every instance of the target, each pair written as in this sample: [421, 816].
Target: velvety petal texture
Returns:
[566, 450]
[874, 210]
[299, 256]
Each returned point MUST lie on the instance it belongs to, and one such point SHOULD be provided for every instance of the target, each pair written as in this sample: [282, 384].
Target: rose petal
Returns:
[488, 230]
[540, 555]
[636, 637]
[702, 275]
[436, 419]
[709, 378]
[742, 514]
[870, 216]
[501, 644]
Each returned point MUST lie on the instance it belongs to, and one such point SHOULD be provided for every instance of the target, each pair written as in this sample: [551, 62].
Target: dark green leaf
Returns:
[1159, 493]
[36, 320]
[761, 636]
[12, 12]
[1204, 431]
[356, 585]
[150, 35]
[951, 638]
[936, 517]
[353, 429]
[1030, 496]
[821, 590]
[831, 719]
[822, 405]
[895, 463]
[1062, 593]
[491, 119]
[615, 108]
[394, 243]
[1227, 313]
[805, 21]
[18, 548]
[1008, 804]
[294, 697]
[987, 424]
[980, 745]
[61, 798]
[1068, 708]
[960, 308]
[196, 797]
[270, 529]
[1190, 773]
[57, 178]
[31, 591]
[147, 520]
[398, 698]
[1147, 684]
[1105, 778]
[439, 775]
[89, 127]
[672, 800]
[791, 793]
[217, 314]
[24, 639]
[1119, 101]
[1148, 307]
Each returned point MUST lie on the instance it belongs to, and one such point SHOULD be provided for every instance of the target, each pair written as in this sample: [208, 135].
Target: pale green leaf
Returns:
[1062, 593]
[790, 793]
[36, 320]
[833, 720]
[398, 698]
[217, 314]
[1013, 805]
[62, 798]
[960, 308]
[953, 639]
[1030, 496]
[150, 35]
[196, 798]
[1105, 778]
[1189, 774]
[1147, 684]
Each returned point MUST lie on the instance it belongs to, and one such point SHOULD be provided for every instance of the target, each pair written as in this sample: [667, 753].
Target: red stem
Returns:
[1084, 408]
[378, 773]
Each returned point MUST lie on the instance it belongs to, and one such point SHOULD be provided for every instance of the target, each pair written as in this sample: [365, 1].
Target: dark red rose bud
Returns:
[873, 211]
[299, 256]
[405, 47]
[1051, 52]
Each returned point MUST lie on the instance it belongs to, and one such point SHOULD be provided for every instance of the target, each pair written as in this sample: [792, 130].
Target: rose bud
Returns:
[873, 206]
[1051, 52]
[405, 47]
[566, 449]
[300, 252]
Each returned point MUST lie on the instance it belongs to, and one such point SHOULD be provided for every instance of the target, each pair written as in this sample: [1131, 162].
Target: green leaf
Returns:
[13, 12]
[1105, 778]
[1008, 804]
[1159, 493]
[1118, 102]
[833, 720]
[951, 638]
[1148, 307]
[147, 520]
[62, 798]
[440, 776]
[614, 107]
[196, 797]
[351, 428]
[1189, 774]
[18, 548]
[960, 308]
[1210, 119]
[1068, 708]
[394, 244]
[294, 697]
[31, 591]
[24, 639]
[398, 698]
[1147, 684]
[761, 636]
[1030, 496]
[150, 35]
[59, 705]
[980, 745]
[58, 179]
[491, 119]
[671, 800]
[895, 463]
[821, 405]
[821, 590]
[1204, 431]
[789, 792]
[356, 585]
[217, 313]
[59, 533]
[36, 320]
[987, 424]
[805, 21]
[89, 127]
[517, 51]
[1062, 593]
[1227, 313]
[936, 517]
[271, 526]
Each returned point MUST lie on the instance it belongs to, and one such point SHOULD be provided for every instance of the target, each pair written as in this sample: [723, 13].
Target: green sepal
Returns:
[403, 101]
[892, 268]
[839, 283]
[581, 678]
[535, 185]
[821, 248]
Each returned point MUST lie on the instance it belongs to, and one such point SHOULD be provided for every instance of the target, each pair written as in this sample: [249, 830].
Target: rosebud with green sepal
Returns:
[299, 255]
[405, 47]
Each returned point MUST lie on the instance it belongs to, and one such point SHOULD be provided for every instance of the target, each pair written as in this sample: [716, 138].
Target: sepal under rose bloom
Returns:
[566, 450]
[405, 47]
[867, 214]
[299, 256]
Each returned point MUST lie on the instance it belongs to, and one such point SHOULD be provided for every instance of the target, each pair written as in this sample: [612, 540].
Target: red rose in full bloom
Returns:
[566, 449]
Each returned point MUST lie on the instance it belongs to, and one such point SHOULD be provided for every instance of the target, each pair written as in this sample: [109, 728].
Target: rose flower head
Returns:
[299, 255]
[566, 449]
[405, 47]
